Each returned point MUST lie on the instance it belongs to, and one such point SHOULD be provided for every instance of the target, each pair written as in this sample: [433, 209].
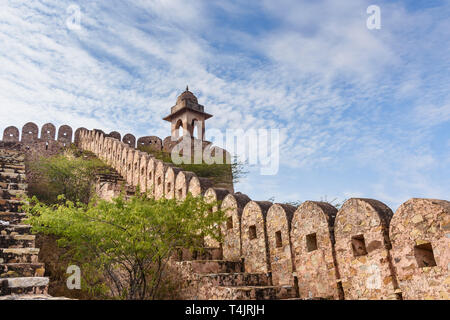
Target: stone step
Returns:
[26, 285]
[11, 156]
[12, 270]
[9, 177]
[11, 229]
[12, 169]
[234, 279]
[14, 165]
[10, 205]
[12, 217]
[7, 194]
[209, 266]
[32, 297]
[251, 293]
[182, 254]
[19, 255]
[9, 152]
[12, 162]
[13, 186]
[17, 241]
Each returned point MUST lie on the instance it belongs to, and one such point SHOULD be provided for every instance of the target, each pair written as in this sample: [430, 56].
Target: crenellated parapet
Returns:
[361, 251]
[65, 135]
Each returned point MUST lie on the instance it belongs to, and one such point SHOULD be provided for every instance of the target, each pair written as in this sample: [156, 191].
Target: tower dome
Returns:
[189, 114]
[187, 95]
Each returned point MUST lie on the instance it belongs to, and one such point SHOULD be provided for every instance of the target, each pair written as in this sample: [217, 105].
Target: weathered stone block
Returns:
[198, 186]
[312, 238]
[65, 135]
[279, 218]
[169, 182]
[213, 195]
[255, 249]
[182, 182]
[130, 140]
[362, 250]
[160, 173]
[420, 237]
[151, 176]
[233, 206]
[143, 171]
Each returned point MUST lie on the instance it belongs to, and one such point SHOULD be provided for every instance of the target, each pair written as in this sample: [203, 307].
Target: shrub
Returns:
[123, 247]
[72, 175]
[218, 173]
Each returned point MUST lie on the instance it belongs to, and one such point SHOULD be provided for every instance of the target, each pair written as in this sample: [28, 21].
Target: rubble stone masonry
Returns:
[182, 182]
[279, 219]
[212, 195]
[160, 173]
[420, 235]
[198, 186]
[255, 249]
[363, 251]
[151, 176]
[312, 238]
[169, 182]
[233, 206]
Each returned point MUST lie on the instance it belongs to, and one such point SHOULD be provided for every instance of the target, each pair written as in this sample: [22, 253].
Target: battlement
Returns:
[30, 134]
[362, 251]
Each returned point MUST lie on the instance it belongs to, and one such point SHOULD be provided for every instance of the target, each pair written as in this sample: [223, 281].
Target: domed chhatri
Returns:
[188, 114]
[187, 95]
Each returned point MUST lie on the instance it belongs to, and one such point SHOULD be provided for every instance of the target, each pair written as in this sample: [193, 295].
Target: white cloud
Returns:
[344, 95]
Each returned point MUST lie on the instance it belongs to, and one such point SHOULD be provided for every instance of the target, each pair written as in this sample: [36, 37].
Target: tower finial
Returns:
[187, 88]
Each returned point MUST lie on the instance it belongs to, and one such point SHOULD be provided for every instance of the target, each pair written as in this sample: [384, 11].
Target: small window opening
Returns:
[159, 181]
[180, 193]
[424, 255]
[169, 186]
[252, 232]
[278, 240]
[230, 223]
[359, 246]
[311, 242]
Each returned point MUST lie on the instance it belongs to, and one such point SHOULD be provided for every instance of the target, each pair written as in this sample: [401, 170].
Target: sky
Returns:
[361, 113]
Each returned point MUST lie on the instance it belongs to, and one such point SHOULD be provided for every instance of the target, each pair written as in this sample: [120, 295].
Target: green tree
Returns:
[72, 175]
[123, 247]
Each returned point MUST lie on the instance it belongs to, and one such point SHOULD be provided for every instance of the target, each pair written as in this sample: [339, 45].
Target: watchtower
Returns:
[188, 114]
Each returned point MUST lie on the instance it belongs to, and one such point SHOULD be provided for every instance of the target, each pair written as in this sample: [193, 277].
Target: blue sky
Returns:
[363, 113]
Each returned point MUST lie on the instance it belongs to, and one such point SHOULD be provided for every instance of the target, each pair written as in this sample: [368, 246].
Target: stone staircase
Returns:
[204, 273]
[21, 274]
[208, 277]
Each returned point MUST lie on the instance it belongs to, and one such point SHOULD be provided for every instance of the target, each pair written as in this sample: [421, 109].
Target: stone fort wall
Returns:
[362, 251]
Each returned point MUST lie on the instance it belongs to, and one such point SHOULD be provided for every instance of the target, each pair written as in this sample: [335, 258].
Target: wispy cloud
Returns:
[346, 98]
